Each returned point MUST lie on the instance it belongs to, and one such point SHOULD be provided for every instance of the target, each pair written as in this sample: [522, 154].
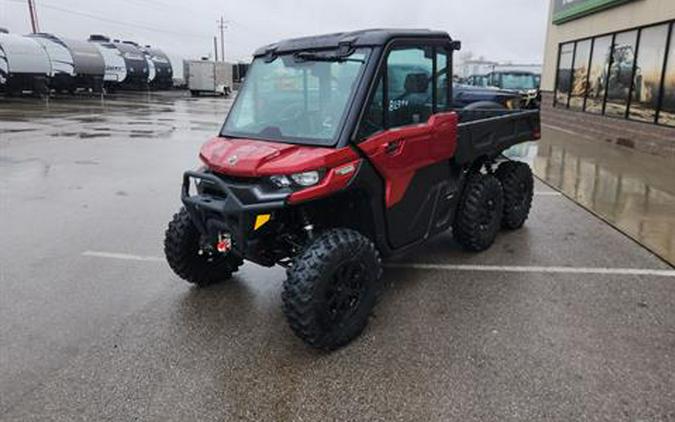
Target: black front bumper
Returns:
[224, 205]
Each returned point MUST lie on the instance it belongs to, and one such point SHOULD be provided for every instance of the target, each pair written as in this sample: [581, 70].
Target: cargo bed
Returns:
[487, 133]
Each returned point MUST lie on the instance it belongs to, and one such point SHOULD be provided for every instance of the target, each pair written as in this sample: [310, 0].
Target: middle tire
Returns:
[479, 212]
[331, 288]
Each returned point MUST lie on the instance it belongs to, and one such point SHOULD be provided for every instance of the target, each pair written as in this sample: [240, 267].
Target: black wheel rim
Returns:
[345, 292]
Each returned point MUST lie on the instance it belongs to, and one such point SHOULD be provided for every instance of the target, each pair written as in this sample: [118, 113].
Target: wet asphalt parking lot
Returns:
[566, 319]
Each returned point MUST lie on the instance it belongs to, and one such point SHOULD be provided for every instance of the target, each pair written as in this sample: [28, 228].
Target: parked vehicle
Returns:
[160, 70]
[326, 165]
[24, 65]
[205, 76]
[486, 97]
[462, 95]
[115, 66]
[138, 69]
[89, 64]
[477, 80]
[527, 83]
[125, 64]
[62, 68]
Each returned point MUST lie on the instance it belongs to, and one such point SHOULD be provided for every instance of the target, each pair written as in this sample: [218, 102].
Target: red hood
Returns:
[252, 158]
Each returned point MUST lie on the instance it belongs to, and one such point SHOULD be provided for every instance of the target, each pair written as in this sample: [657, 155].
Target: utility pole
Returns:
[32, 10]
[222, 25]
[215, 47]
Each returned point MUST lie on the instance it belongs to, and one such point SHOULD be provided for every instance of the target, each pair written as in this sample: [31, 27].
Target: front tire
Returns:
[331, 288]
[518, 185]
[181, 248]
[479, 213]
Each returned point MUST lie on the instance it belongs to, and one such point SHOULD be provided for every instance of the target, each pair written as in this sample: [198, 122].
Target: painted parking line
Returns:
[447, 267]
[535, 269]
[547, 193]
[560, 129]
[122, 256]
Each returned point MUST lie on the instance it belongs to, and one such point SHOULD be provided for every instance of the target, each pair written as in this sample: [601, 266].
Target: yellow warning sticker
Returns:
[260, 220]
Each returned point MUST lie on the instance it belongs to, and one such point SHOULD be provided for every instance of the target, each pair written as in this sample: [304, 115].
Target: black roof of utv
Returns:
[362, 38]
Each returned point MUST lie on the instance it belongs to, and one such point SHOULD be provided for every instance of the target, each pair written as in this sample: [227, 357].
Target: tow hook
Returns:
[224, 244]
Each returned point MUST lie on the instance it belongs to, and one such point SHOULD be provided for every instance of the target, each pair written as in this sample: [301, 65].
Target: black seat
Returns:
[414, 105]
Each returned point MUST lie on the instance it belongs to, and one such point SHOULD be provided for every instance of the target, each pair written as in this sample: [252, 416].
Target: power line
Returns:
[113, 21]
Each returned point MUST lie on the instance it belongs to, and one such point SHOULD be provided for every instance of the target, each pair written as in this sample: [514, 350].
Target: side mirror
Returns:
[456, 45]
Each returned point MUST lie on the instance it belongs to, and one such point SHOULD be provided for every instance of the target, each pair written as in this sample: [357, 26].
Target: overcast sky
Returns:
[503, 30]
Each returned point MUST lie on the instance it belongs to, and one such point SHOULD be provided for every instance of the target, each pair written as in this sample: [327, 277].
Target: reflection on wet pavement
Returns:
[129, 115]
[633, 191]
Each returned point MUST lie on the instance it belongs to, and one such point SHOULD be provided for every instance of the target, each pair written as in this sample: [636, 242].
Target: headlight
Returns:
[281, 181]
[513, 103]
[308, 178]
[300, 180]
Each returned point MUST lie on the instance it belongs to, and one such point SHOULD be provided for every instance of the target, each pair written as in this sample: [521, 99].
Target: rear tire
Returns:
[331, 288]
[479, 213]
[181, 246]
[518, 185]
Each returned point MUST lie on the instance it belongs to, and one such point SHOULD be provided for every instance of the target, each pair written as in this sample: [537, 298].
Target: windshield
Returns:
[518, 81]
[299, 98]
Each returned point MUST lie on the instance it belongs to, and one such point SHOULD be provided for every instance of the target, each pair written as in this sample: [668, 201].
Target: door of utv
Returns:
[414, 139]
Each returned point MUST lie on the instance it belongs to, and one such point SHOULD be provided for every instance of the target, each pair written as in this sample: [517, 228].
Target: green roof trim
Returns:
[585, 8]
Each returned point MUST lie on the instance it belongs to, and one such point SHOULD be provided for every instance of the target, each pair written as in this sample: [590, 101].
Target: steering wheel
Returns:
[292, 111]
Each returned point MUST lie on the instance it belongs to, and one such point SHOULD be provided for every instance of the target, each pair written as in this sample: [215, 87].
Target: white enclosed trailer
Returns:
[25, 64]
[62, 72]
[205, 76]
[115, 66]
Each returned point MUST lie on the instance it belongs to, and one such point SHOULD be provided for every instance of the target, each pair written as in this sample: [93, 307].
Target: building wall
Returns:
[626, 16]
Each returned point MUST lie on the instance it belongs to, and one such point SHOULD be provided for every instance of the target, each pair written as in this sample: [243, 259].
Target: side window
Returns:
[409, 91]
[443, 67]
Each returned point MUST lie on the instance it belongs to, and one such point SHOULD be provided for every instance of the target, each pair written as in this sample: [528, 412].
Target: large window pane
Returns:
[602, 48]
[647, 79]
[409, 75]
[580, 74]
[667, 113]
[564, 77]
[620, 73]
[295, 99]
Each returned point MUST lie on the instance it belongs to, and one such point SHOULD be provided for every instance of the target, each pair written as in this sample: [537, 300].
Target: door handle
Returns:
[392, 147]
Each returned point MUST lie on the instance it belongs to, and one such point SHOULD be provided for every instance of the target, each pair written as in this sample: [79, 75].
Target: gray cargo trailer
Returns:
[205, 76]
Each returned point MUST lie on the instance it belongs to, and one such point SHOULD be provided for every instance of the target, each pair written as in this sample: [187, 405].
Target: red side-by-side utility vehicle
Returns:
[341, 150]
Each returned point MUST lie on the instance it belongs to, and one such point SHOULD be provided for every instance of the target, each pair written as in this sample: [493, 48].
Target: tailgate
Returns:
[490, 136]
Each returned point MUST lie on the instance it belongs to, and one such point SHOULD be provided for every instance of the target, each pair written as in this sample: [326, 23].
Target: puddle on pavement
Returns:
[633, 191]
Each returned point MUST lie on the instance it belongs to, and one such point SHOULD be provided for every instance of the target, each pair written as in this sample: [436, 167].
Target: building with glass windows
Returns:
[609, 71]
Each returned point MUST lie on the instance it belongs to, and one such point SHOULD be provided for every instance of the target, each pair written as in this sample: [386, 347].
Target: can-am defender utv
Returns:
[341, 150]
